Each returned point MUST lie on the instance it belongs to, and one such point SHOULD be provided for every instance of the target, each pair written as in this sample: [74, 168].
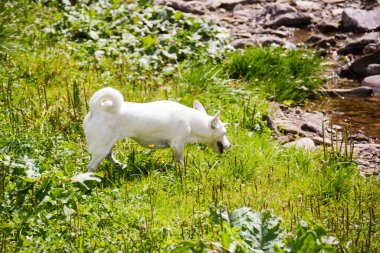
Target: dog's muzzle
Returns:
[220, 146]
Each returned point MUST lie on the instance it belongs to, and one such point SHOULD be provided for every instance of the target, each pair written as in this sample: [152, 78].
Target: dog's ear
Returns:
[215, 123]
[199, 107]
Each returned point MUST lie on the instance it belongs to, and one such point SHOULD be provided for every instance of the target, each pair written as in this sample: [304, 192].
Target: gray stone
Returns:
[328, 26]
[244, 42]
[357, 46]
[229, 4]
[373, 82]
[321, 41]
[320, 141]
[268, 40]
[355, 20]
[359, 137]
[271, 11]
[308, 5]
[309, 128]
[291, 20]
[305, 143]
[290, 128]
[371, 48]
[355, 92]
[372, 69]
[195, 7]
[359, 66]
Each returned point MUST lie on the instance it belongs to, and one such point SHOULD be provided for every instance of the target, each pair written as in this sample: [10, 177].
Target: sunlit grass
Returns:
[153, 204]
[283, 75]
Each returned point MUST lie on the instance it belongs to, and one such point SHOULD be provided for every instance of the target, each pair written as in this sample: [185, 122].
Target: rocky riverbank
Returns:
[346, 32]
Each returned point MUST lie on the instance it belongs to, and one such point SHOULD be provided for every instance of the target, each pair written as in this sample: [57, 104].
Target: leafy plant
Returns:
[150, 37]
[259, 232]
[309, 240]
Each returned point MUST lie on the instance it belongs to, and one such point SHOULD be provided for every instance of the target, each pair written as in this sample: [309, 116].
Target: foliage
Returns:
[258, 232]
[146, 37]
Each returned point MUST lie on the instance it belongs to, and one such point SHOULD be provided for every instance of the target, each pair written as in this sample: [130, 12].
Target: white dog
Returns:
[155, 125]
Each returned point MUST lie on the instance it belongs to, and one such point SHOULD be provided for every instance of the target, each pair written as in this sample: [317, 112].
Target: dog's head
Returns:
[217, 140]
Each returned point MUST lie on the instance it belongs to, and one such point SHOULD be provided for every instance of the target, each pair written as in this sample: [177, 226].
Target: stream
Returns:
[358, 113]
[361, 113]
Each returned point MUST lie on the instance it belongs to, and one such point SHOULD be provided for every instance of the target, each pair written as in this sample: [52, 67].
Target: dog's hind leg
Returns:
[99, 152]
[115, 162]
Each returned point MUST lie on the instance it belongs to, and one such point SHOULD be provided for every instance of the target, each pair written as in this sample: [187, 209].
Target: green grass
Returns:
[154, 205]
[283, 75]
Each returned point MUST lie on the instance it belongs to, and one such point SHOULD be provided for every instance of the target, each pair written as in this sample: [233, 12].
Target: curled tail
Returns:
[106, 99]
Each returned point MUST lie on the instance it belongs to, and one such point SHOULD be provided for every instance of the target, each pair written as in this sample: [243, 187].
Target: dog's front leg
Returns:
[178, 153]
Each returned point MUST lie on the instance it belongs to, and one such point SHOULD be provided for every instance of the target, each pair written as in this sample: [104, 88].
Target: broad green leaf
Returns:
[149, 41]
[260, 231]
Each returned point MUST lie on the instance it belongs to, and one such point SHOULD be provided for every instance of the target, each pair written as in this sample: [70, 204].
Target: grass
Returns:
[154, 205]
[284, 75]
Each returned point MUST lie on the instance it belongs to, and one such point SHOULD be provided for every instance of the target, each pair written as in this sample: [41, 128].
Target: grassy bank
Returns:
[58, 55]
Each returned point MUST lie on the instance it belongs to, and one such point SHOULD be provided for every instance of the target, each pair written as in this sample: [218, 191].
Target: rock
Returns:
[359, 137]
[355, 92]
[308, 127]
[320, 141]
[268, 40]
[371, 48]
[244, 42]
[321, 41]
[291, 129]
[372, 81]
[372, 69]
[308, 5]
[271, 11]
[285, 139]
[229, 4]
[328, 26]
[265, 40]
[354, 20]
[359, 92]
[270, 123]
[333, 1]
[243, 14]
[305, 143]
[340, 36]
[357, 46]
[359, 66]
[195, 7]
[291, 20]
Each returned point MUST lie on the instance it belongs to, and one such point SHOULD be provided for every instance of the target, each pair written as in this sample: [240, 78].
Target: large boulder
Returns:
[354, 20]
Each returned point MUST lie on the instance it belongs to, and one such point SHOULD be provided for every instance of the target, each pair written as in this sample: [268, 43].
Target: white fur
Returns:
[156, 125]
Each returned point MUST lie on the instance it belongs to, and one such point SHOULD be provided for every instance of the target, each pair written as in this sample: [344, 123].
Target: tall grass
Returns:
[283, 75]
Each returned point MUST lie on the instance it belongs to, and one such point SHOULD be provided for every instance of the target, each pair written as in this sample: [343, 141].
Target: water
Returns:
[361, 113]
